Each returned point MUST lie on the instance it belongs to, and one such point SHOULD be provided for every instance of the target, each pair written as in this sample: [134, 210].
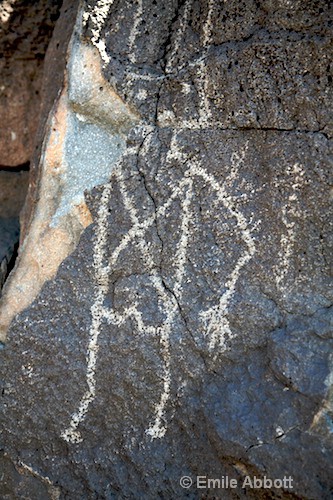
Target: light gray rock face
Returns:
[189, 333]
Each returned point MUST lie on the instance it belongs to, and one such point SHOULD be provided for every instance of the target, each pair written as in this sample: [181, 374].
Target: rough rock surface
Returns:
[25, 31]
[13, 189]
[189, 333]
[9, 230]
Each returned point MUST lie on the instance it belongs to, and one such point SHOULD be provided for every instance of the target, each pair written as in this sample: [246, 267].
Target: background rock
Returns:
[13, 189]
[44, 240]
[189, 332]
[25, 32]
[9, 229]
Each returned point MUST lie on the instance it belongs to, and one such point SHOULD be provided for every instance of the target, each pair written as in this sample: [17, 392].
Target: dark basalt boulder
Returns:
[182, 348]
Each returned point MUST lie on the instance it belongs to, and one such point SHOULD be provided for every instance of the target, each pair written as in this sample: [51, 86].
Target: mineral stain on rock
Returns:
[185, 328]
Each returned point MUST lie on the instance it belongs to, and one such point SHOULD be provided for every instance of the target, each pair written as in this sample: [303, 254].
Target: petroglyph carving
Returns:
[191, 326]
[98, 15]
[215, 321]
[290, 214]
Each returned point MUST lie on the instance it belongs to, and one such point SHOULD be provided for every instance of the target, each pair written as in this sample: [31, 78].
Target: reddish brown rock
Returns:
[25, 32]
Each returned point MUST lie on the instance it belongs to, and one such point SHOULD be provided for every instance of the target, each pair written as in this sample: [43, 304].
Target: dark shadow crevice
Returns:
[24, 167]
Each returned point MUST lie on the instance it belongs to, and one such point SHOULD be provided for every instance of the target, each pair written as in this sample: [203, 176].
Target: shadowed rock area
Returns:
[13, 189]
[25, 32]
[183, 323]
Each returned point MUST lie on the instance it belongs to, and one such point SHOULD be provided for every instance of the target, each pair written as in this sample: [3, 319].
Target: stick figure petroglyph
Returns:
[214, 319]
